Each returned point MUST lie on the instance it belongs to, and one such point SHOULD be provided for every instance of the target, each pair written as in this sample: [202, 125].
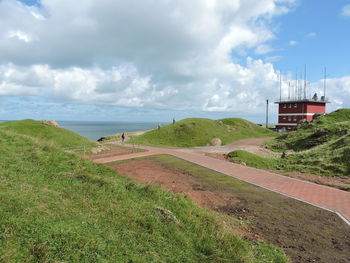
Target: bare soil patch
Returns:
[342, 183]
[148, 171]
[113, 151]
[306, 233]
[220, 156]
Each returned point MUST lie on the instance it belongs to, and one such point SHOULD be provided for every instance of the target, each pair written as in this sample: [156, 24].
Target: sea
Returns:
[94, 130]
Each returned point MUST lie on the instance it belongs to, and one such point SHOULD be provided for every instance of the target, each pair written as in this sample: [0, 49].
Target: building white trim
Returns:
[296, 114]
[287, 124]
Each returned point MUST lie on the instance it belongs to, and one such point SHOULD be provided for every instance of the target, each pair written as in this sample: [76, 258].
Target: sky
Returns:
[153, 60]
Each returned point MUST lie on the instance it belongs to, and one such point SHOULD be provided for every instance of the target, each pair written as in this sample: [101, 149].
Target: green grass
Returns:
[59, 137]
[199, 132]
[323, 129]
[327, 161]
[57, 207]
[253, 160]
[322, 146]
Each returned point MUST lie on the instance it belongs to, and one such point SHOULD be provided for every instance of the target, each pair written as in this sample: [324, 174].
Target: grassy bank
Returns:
[58, 137]
[321, 147]
[199, 132]
[57, 207]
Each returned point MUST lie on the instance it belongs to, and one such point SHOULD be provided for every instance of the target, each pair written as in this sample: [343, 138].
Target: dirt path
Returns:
[325, 197]
[149, 172]
[306, 233]
[113, 151]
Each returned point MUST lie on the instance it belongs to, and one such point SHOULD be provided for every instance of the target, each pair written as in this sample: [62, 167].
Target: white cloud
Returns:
[293, 43]
[263, 49]
[273, 58]
[311, 35]
[19, 35]
[345, 11]
[157, 54]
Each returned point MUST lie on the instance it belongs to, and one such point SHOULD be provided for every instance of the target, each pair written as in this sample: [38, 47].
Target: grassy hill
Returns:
[46, 133]
[199, 132]
[58, 207]
[322, 147]
[324, 129]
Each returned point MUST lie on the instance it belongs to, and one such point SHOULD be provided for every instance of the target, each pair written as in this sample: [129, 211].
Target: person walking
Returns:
[123, 138]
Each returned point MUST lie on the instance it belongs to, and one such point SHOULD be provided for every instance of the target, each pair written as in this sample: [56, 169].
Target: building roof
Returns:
[324, 100]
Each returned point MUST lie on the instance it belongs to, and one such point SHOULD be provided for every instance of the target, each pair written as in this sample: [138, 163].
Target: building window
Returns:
[295, 105]
[290, 105]
[284, 118]
[289, 118]
[295, 118]
[284, 105]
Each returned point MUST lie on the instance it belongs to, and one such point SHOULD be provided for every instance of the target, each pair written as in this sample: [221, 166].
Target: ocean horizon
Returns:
[94, 130]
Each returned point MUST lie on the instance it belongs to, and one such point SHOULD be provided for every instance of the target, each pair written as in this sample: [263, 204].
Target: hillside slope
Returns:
[199, 132]
[324, 129]
[321, 147]
[58, 207]
[60, 137]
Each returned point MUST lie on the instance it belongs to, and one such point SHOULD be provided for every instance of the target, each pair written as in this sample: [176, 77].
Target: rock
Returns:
[167, 215]
[321, 132]
[215, 142]
[281, 145]
[101, 139]
[318, 114]
[284, 155]
[302, 123]
[51, 123]
[99, 149]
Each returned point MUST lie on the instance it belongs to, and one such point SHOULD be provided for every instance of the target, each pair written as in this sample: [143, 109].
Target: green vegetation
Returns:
[322, 147]
[58, 207]
[46, 133]
[253, 160]
[199, 132]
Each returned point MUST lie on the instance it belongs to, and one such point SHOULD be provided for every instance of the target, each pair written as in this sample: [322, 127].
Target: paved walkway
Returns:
[325, 197]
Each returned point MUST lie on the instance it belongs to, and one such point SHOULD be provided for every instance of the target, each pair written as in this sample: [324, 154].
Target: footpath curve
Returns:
[324, 197]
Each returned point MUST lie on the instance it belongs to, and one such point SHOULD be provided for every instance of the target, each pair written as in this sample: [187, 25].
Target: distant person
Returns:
[123, 138]
[174, 120]
[158, 126]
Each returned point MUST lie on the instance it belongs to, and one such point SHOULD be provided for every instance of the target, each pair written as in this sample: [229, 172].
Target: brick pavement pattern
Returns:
[322, 196]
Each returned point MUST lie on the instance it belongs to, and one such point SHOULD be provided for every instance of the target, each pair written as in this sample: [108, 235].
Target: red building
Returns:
[291, 112]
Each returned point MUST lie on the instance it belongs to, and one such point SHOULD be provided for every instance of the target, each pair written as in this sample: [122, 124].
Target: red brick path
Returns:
[322, 196]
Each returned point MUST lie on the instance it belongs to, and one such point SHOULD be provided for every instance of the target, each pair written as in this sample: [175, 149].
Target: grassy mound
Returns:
[324, 129]
[199, 132]
[58, 136]
[326, 161]
[322, 147]
[57, 207]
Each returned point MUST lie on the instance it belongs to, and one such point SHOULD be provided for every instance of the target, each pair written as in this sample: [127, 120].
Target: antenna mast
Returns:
[296, 84]
[325, 82]
[304, 81]
[280, 86]
[288, 90]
